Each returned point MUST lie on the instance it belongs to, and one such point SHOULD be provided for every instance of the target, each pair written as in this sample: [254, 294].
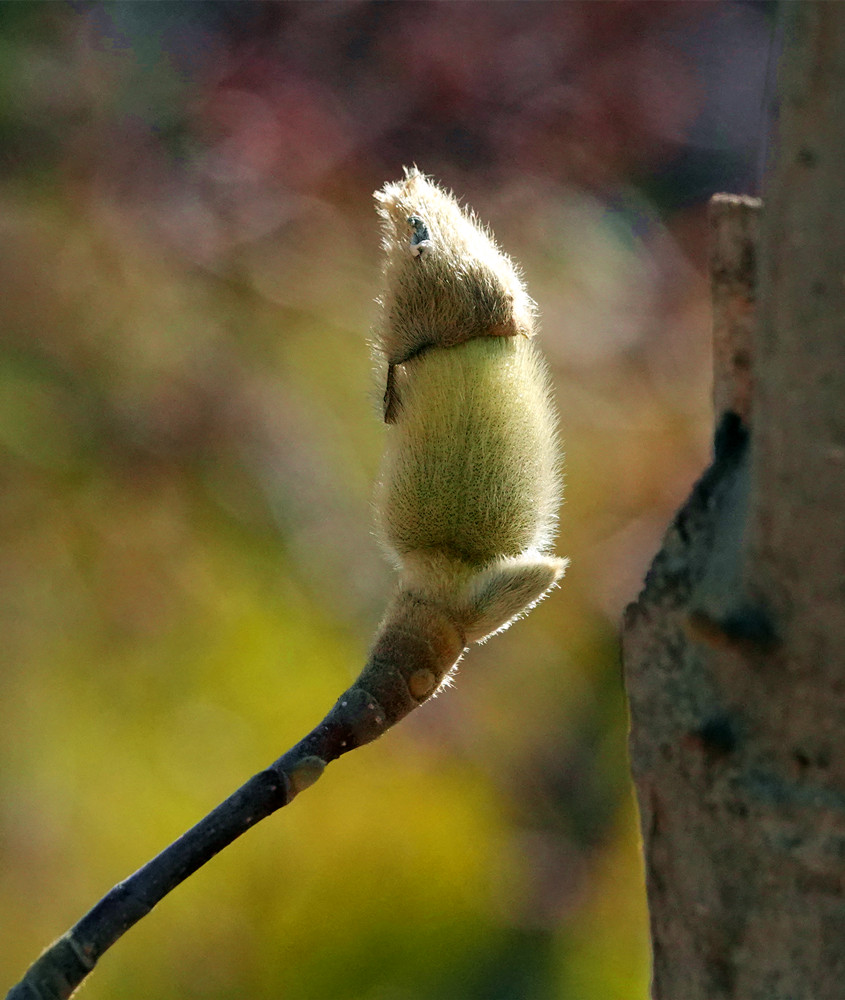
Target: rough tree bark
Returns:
[734, 651]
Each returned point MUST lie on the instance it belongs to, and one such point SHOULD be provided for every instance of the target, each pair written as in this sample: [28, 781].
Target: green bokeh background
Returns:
[189, 435]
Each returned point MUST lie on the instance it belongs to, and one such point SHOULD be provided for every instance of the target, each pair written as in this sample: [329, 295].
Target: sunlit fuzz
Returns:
[468, 287]
[470, 482]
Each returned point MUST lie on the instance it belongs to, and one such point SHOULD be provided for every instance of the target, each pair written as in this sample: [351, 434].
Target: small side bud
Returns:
[421, 684]
[304, 773]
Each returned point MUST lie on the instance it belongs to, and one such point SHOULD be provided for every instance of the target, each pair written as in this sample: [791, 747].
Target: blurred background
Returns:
[190, 431]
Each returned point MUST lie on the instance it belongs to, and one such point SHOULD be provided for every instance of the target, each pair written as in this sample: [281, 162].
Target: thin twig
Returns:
[356, 719]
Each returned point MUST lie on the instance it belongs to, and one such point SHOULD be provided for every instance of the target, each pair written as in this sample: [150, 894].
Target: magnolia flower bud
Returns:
[470, 483]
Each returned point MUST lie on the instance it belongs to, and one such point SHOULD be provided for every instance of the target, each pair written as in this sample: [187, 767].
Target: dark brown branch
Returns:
[403, 671]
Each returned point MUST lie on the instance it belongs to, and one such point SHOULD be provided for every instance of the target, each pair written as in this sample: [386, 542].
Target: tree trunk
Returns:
[734, 651]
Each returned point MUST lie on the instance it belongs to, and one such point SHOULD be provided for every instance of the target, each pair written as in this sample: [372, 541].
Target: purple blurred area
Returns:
[245, 108]
[219, 118]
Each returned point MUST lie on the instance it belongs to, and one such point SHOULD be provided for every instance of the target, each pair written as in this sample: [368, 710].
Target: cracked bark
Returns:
[734, 651]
